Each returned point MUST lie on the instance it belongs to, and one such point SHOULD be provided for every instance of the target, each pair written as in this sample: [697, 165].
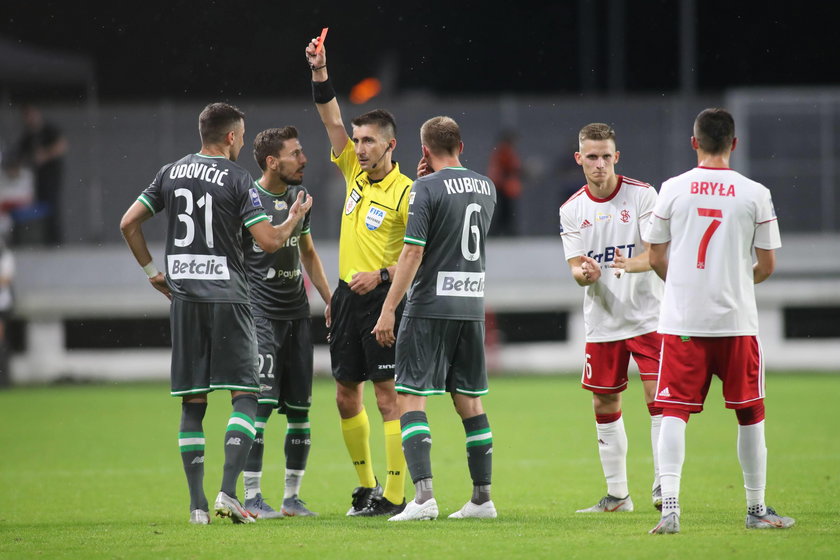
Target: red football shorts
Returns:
[605, 370]
[688, 364]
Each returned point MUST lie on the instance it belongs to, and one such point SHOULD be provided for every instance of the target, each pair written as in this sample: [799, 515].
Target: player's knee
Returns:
[751, 415]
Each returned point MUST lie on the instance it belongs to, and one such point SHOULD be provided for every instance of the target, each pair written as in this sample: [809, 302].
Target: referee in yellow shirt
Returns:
[372, 230]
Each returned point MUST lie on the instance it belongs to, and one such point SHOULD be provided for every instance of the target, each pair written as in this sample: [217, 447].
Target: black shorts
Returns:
[213, 347]
[435, 356]
[285, 362]
[354, 353]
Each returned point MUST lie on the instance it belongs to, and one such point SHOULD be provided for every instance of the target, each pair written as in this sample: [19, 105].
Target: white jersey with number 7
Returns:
[713, 218]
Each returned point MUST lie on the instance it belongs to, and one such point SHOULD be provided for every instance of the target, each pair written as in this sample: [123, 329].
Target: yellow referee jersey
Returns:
[374, 216]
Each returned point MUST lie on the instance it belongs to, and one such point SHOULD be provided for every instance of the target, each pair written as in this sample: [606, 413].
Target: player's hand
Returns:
[315, 60]
[301, 206]
[384, 330]
[159, 283]
[327, 318]
[364, 282]
[619, 263]
[590, 269]
[423, 168]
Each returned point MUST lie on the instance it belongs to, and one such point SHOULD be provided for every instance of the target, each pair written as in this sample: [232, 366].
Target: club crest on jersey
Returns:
[374, 218]
[255, 198]
[625, 216]
[352, 201]
[280, 205]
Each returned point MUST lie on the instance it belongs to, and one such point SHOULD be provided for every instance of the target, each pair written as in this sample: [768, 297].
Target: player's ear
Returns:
[230, 137]
[579, 158]
[695, 145]
[461, 148]
[734, 143]
[426, 153]
[617, 157]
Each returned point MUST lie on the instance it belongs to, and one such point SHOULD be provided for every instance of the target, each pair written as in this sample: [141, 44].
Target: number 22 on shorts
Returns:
[707, 236]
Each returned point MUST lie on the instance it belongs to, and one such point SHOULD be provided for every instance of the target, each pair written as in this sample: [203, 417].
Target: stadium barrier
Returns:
[58, 290]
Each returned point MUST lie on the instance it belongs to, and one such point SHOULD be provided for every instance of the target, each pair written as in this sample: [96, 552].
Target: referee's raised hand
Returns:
[317, 60]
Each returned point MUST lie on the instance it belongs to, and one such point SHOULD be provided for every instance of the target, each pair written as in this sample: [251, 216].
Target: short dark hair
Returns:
[216, 120]
[596, 131]
[714, 129]
[441, 135]
[269, 142]
[381, 118]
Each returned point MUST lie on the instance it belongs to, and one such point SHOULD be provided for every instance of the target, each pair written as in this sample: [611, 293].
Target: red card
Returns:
[321, 40]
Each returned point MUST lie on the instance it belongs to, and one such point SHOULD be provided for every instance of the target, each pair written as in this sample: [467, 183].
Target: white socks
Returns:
[671, 459]
[655, 425]
[293, 480]
[612, 447]
[252, 484]
[752, 453]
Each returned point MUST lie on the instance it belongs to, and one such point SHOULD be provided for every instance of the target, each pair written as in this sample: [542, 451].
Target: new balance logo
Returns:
[585, 224]
[234, 441]
[665, 392]
[426, 440]
[198, 460]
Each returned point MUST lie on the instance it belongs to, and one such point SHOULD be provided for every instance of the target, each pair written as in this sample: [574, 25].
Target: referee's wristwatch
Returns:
[384, 275]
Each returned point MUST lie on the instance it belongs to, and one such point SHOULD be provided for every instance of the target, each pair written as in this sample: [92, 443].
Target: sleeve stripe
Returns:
[145, 202]
[255, 219]
[307, 231]
[767, 221]
[413, 241]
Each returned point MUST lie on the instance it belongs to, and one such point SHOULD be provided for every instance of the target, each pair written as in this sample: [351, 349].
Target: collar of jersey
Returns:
[213, 157]
[715, 168]
[269, 193]
[386, 181]
[607, 199]
[457, 168]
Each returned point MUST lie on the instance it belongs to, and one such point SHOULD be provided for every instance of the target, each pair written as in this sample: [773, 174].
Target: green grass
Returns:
[93, 471]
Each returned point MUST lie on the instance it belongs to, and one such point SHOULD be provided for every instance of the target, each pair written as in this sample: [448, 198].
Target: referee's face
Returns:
[370, 145]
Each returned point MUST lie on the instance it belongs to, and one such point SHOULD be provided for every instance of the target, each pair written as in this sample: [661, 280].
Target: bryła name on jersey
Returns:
[706, 187]
[198, 267]
[209, 173]
[460, 284]
[609, 253]
[467, 184]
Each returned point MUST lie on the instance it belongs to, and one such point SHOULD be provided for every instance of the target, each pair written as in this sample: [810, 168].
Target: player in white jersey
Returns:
[705, 226]
[601, 230]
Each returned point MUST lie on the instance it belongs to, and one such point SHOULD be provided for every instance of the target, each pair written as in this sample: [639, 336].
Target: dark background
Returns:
[185, 50]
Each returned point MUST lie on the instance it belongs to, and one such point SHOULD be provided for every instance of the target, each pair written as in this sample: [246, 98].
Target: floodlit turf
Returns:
[93, 471]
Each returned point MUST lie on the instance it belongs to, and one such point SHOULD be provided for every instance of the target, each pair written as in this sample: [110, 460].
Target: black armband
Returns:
[323, 92]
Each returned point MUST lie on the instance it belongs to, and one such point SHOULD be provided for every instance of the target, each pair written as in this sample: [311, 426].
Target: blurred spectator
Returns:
[17, 187]
[42, 146]
[504, 170]
[7, 273]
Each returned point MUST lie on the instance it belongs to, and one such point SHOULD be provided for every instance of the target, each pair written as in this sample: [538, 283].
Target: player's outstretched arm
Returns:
[407, 265]
[765, 264]
[585, 270]
[315, 269]
[131, 226]
[271, 238]
[659, 258]
[324, 96]
[637, 263]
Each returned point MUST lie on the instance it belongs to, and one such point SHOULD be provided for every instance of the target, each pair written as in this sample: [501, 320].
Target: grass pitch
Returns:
[93, 471]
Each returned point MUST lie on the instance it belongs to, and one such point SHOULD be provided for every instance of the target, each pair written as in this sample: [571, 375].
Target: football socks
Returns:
[191, 443]
[356, 432]
[417, 444]
[253, 466]
[297, 445]
[671, 458]
[655, 424]
[238, 439]
[612, 447]
[752, 453]
[395, 463]
[479, 456]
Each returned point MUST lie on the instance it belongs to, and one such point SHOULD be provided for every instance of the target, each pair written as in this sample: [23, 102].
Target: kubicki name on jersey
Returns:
[209, 173]
[460, 284]
[467, 184]
[198, 267]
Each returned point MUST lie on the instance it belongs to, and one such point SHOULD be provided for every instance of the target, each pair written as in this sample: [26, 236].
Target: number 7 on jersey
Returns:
[707, 236]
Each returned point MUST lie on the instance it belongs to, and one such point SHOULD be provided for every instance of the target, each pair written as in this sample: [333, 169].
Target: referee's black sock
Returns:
[479, 456]
[238, 438]
[191, 443]
[417, 447]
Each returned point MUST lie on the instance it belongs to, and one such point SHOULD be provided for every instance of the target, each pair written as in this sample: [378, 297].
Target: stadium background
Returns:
[125, 83]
